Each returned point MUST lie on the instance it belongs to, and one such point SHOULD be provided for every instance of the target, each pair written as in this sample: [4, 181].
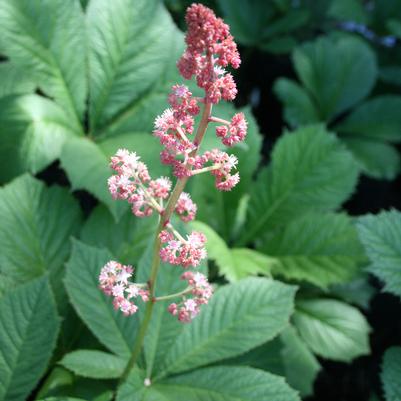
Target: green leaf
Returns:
[144, 143]
[291, 20]
[127, 240]
[210, 384]
[299, 108]
[36, 224]
[310, 171]
[94, 364]
[235, 263]
[248, 262]
[112, 328]
[391, 372]
[336, 86]
[32, 132]
[257, 23]
[279, 45]
[349, 10]
[62, 398]
[48, 39]
[266, 357]
[63, 385]
[141, 113]
[377, 118]
[332, 329]
[217, 250]
[377, 159]
[28, 331]
[300, 364]
[127, 53]
[317, 9]
[58, 377]
[91, 173]
[247, 20]
[358, 291]
[327, 252]
[83, 389]
[14, 80]
[381, 236]
[239, 317]
[6, 283]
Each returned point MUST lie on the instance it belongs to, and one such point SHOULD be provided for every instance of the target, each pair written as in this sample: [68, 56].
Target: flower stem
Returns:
[214, 119]
[206, 169]
[175, 295]
[176, 233]
[164, 220]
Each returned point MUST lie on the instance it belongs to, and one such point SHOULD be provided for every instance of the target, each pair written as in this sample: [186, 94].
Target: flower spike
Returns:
[210, 51]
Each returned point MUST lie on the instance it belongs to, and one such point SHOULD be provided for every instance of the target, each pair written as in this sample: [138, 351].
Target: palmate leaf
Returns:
[47, 38]
[239, 317]
[234, 263]
[327, 252]
[36, 223]
[332, 329]
[32, 132]
[391, 372]
[381, 236]
[94, 364]
[111, 327]
[28, 331]
[333, 86]
[210, 384]
[310, 171]
[128, 53]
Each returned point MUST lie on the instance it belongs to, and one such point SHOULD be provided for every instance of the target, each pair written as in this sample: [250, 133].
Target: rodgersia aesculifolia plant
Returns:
[210, 49]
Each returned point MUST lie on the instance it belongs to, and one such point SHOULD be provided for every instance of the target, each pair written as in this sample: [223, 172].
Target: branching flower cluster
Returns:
[210, 49]
[113, 281]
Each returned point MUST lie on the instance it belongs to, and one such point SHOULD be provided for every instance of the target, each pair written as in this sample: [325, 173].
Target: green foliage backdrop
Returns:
[81, 79]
